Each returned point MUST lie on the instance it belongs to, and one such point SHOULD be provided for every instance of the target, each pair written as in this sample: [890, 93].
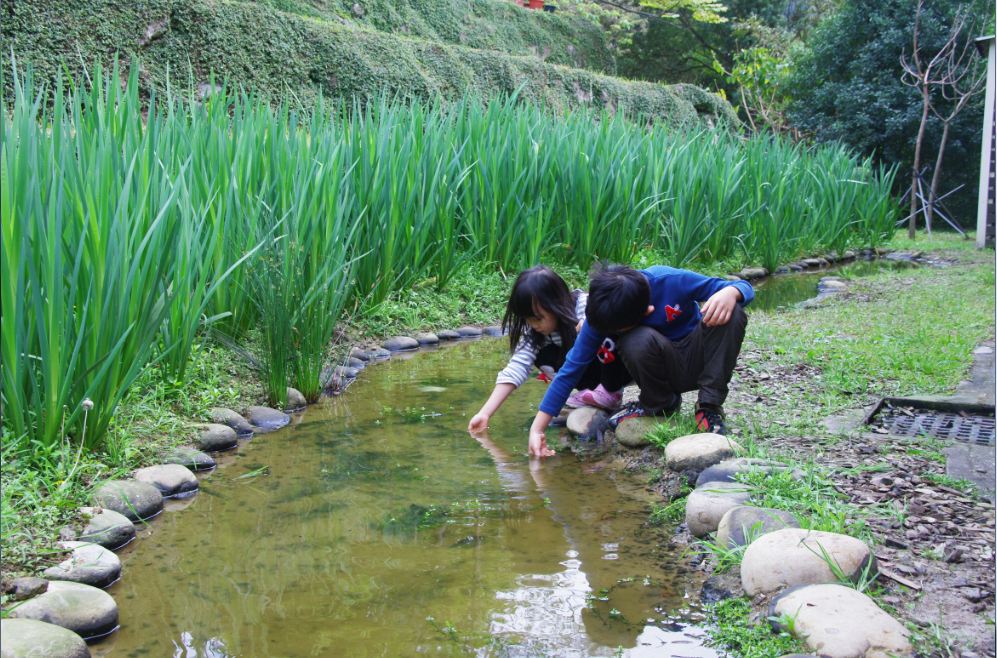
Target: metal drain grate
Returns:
[963, 427]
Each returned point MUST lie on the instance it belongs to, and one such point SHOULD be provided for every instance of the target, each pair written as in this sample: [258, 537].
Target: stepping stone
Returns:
[135, 500]
[29, 637]
[378, 354]
[359, 354]
[831, 284]
[632, 432]
[110, 529]
[401, 344]
[223, 416]
[840, 622]
[707, 505]
[782, 269]
[356, 364]
[728, 469]
[743, 524]
[345, 373]
[448, 334]
[87, 611]
[794, 556]
[25, 587]
[427, 338]
[190, 458]
[215, 437]
[587, 422]
[469, 332]
[797, 267]
[695, 452]
[493, 331]
[90, 564]
[295, 400]
[171, 479]
[750, 273]
[266, 419]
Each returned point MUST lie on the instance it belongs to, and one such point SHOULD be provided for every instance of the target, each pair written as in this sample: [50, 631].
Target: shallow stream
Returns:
[379, 527]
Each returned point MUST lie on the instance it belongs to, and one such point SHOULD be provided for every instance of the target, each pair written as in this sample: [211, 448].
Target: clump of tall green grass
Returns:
[130, 225]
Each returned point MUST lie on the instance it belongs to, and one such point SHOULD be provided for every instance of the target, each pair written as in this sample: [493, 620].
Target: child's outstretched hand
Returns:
[479, 423]
[718, 308]
[538, 445]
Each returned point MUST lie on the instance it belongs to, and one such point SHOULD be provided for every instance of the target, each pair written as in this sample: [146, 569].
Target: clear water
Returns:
[381, 528]
[783, 290]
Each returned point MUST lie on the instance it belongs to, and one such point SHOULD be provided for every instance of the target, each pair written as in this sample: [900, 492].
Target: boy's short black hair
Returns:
[618, 298]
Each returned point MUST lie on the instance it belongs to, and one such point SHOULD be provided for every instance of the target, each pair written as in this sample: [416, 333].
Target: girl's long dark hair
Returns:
[543, 287]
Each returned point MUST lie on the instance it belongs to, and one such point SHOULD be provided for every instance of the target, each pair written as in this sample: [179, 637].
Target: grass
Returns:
[671, 428]
[733, 630]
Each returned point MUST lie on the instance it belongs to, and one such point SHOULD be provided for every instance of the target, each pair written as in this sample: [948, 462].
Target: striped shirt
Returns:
[524, 356]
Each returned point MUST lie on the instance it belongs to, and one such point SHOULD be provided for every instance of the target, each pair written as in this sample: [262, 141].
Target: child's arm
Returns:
[499, 395]
[538, 437]
[718, 308]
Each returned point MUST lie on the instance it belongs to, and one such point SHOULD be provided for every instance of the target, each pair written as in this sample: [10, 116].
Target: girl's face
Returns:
[543, 322]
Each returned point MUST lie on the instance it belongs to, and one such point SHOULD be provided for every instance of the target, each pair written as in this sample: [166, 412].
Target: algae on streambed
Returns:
[376, 533]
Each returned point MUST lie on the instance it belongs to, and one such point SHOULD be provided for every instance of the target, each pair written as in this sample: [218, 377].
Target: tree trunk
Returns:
[933, 193]
[912, 224]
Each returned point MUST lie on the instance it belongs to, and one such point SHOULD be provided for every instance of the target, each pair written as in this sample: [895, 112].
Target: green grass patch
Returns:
[671, 428]
[733, 631]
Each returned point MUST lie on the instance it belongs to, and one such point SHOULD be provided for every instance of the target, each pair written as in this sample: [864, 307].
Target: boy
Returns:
[669, 344]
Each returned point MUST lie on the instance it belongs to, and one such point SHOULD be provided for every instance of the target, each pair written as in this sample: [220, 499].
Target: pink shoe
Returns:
[575, 399]
[601, 398]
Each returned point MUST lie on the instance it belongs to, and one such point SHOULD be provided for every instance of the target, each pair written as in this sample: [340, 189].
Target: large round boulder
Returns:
[427, 338]
[171, 479]
[28, 638]
[190, 458]
[448, 334]
[469, 332]
[90, 564]
[695, 452]
[743, 524]
[137, 501]
[706, 505]
[265, 419]
[223, 416]
[215, 437]
[87, 611]
[295, 400]
[840, 622]
[587, 422]
[794, 556]
[110, 529]
[632, 432]
[401, 344]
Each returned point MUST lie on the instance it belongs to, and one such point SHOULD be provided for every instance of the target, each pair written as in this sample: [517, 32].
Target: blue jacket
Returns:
[674, 294]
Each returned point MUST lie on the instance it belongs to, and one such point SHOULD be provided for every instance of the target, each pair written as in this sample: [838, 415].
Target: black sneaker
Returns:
[636, 410]
[710, 419]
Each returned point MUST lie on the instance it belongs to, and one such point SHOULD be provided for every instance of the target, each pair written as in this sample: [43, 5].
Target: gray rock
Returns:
[848, 255]
[469, 332]
[743, 524]
[190, 458]
[632, 432]
[345, 373]
[448, 334]
[215, 437]
[401, 344]
[750, 273]
[110, 529]
[378, 354]
[728, 469]
[695, 452]
[223, 416]
[783, 269]
[715, 589]
[797, 267]
[356, 364]
[587, 422]
[29, 638]
[171, 479]
[493, 331]
[427, 338]
[840, 622]
[830, 284]
[706, 505]
[87, 611]
[295, 400]
[732, 277]
[359, 354]
[815, 262]
[137, 501]
[794, 556]
[26, 587]
[90, 564]
[266, 419]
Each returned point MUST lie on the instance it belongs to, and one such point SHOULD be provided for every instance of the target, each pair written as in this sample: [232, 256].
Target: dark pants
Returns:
[664, 369]
[613, 375]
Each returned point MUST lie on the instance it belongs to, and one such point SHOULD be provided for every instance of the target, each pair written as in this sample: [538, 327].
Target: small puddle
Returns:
[380, 528]
[783, 290]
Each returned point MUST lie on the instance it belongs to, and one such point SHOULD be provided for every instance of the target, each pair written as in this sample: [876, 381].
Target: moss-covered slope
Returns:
[272, 52]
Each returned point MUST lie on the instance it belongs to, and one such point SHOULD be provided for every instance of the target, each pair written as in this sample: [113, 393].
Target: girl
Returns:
[542, 319]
